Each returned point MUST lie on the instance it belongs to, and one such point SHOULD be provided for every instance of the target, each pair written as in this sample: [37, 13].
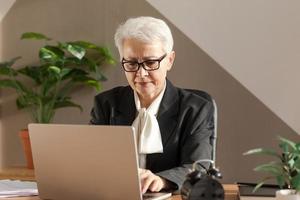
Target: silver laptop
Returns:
[86, 162]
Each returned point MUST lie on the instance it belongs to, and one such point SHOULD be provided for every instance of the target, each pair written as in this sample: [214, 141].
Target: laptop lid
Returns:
[85, 162]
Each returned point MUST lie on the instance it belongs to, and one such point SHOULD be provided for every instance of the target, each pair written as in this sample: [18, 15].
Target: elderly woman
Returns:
[173, 126]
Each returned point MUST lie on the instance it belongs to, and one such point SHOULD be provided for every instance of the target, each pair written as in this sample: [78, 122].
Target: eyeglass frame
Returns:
[124, 61]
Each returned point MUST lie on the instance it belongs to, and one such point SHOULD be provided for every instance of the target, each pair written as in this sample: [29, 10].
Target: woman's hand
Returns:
[150, 181]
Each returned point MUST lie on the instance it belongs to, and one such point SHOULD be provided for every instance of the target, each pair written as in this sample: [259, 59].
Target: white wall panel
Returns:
[258, 42]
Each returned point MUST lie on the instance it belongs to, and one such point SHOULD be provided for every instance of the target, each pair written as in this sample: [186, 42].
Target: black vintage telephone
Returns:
[202, 183]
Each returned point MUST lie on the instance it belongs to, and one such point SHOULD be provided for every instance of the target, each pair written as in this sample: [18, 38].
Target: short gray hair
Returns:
[145, 29]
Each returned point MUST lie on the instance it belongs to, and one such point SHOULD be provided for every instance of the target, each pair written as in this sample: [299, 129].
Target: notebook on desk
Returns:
[86, 162]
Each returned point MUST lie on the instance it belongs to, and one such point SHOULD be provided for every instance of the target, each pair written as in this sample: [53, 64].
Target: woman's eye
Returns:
[131, 64]
[150, 63]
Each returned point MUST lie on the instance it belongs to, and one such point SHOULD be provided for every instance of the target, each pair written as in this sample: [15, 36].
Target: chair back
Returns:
[213, 137]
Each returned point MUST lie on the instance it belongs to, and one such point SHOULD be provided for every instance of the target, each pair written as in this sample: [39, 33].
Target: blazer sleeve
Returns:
[100, 112]
[195, 144]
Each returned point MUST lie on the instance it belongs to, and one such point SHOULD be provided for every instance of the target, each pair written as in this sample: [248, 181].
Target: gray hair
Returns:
[145, 29]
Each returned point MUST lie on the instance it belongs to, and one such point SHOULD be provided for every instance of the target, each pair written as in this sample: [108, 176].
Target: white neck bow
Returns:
[146, 126]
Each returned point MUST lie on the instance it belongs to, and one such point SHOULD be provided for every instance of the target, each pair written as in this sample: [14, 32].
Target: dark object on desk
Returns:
[267, 190]
[202, 184]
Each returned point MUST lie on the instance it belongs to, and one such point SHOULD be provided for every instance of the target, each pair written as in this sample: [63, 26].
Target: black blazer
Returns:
[185, 120]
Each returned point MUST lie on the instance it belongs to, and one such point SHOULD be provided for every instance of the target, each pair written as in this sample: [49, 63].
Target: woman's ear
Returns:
[170, 59]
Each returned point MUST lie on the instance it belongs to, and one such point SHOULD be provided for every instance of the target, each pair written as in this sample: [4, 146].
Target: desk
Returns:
[19, 173]
[257, 198]
[172, 198]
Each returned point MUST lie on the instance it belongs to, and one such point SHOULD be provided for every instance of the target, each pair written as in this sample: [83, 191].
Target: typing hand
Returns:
[150, 181]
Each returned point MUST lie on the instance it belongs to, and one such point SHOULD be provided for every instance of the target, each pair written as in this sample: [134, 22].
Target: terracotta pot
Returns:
[24, 135]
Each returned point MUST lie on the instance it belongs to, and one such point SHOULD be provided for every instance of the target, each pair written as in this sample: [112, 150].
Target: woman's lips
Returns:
[142, 83]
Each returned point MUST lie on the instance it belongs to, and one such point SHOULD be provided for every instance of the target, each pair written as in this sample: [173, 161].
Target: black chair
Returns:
[213, 137]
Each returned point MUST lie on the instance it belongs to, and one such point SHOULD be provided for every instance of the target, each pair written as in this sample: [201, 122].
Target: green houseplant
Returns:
[45, 87]
[62, 66]
[284, 169]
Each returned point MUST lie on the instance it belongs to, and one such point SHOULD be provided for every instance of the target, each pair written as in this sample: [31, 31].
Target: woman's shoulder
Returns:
[194, 95]
[115, 92]
[196, 101]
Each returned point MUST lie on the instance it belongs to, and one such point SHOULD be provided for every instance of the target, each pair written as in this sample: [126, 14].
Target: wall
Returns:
[257, 42]
[1, 139]
[244, 121]
[4, 7]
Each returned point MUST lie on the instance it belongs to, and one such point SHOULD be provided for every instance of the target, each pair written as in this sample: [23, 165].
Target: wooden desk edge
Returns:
[21, 173]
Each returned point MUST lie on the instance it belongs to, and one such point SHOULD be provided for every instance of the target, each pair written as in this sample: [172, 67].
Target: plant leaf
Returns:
[6, 83]
[8, 71]
[94, 84]
[102, 50]
[29, 96]
[90, 63]
[298, 147]
[107, 55]
[74, 49]
[288, 143]
[51, 54]
[66, 103]
[88, 81]
[54, 69]
[297, 163]
[74, 73]
[5, 67]
[33, 72]
[272, 168]
[65, 72]
[35, 36]
[15, 84]
[27, 100]
[295, 182]
[258, 185]
[264, 151]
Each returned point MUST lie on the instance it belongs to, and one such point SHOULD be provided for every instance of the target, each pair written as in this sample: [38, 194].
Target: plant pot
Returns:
[24, 135]
[287, 194]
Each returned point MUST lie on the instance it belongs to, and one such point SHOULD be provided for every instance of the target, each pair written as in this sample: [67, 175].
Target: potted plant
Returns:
[45, 87]
[284, 169]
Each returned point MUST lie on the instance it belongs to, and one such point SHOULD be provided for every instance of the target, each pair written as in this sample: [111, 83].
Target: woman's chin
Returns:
[145, 90]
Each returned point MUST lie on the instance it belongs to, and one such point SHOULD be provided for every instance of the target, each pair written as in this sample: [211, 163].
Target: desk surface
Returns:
[17, 173]
[20, 173]
[257, 198]
[172, 198]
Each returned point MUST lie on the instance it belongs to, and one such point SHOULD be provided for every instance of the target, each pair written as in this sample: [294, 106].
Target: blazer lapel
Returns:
[167, 114]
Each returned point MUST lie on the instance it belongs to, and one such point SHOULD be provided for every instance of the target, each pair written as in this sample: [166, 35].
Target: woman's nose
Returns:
[142, 72]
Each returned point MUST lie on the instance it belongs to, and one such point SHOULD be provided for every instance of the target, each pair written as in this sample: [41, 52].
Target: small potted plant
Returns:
[62, 67]
[284, 169]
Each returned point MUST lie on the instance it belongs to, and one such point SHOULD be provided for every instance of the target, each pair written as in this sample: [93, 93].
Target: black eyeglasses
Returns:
[148, 65]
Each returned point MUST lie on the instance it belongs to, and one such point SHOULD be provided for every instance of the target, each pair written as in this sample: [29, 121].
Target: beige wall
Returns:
[4, 7]
[256, 41]
[244, 122]
[1, 140]
[1, 46]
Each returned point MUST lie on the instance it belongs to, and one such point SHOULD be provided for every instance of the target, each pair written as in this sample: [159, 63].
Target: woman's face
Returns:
[147, 84]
